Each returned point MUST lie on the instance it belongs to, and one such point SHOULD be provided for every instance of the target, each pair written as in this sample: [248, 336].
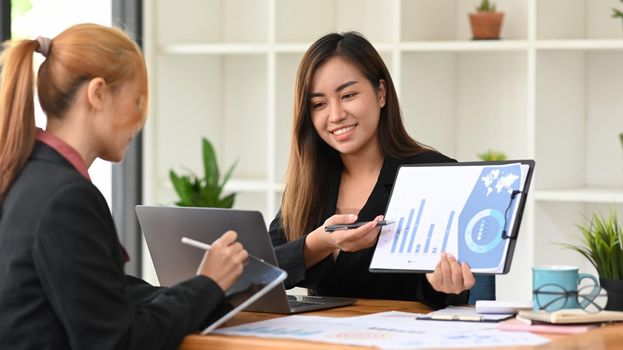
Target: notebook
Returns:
[471, 210]
[567, 316]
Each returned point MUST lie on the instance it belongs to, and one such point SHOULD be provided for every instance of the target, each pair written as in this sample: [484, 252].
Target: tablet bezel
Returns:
[260, 263]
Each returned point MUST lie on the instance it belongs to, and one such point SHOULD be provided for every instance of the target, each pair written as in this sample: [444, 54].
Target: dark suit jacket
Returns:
[61, 268]
[348, 275]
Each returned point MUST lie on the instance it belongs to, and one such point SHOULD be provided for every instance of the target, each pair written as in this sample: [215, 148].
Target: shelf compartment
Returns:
[449, 98]
[557, 222]
[448, 20]
[578, 119]
[201, 96]
[577, 19]
[211, 21]
[307, 21]
[247, 200]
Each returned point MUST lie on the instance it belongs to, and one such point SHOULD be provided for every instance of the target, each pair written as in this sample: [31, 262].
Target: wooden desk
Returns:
[603, 338]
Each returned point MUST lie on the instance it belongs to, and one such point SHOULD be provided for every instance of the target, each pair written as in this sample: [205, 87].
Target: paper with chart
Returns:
[459, 209]
[385, 330]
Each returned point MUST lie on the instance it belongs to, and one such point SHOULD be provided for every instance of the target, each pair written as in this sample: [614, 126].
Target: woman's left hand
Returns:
[450, 277]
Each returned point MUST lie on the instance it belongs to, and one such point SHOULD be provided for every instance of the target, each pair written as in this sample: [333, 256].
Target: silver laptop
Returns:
[163, 228]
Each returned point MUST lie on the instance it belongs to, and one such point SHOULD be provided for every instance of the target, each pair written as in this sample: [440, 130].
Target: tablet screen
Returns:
[257, 279]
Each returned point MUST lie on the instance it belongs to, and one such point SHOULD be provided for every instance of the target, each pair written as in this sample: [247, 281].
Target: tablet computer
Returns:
[257, 279]
[471, 210]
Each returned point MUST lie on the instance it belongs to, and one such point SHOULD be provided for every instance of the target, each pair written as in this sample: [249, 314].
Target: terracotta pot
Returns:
[486, 25]
[615, 293]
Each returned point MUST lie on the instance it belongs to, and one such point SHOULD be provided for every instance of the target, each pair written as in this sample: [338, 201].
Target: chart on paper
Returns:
[408, 227]
[460, 210]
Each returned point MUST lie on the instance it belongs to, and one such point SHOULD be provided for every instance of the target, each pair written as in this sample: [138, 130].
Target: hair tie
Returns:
[44, 46]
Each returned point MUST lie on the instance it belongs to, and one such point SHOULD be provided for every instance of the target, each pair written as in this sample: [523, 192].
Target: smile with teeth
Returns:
[343, 130]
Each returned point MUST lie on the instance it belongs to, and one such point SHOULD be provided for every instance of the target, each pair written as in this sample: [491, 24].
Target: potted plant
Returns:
[491, 155]
[486, 21]
[195, 191]
[602, 244]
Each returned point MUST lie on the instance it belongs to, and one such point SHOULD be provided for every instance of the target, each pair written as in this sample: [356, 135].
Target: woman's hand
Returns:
[225, 261]
[354, 239]
[450, 277]
[319, 243]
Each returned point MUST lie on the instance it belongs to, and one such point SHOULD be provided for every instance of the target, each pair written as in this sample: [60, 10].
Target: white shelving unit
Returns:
[550, 90]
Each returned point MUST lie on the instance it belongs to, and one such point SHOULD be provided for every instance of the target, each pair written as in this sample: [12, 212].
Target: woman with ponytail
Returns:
[62, 284]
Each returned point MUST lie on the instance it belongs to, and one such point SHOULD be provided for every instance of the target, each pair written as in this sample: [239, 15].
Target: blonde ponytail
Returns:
[17, 110]
[78, 54]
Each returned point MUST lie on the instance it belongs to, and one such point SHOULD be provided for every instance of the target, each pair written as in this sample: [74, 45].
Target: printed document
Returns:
[386, 330]
[461, 209]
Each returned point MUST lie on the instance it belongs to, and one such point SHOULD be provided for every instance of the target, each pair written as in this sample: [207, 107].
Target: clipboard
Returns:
[472, 210]
[462, 313]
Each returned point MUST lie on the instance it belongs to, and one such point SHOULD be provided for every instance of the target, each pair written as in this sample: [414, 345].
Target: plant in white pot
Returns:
[486, 22]
[602, 244]
[206, 191]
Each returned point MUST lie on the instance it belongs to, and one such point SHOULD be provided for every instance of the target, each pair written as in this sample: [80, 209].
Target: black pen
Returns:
[332, 228]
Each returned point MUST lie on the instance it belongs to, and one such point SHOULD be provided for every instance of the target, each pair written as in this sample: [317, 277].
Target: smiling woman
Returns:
[348, 142]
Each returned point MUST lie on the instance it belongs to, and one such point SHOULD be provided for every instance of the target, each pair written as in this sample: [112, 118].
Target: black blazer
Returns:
[61, 268]
[348, 275]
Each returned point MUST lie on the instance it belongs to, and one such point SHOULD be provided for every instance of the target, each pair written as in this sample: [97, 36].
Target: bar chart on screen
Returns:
[460, 210]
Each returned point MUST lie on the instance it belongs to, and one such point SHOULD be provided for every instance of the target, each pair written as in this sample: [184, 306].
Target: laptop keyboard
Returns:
[302, 301]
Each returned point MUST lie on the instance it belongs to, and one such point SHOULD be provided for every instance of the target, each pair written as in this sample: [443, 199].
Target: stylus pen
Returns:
[332, 228]
[196, 244]
[207, 247]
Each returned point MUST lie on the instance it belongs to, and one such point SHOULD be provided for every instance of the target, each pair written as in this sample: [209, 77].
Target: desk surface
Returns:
[609, 337]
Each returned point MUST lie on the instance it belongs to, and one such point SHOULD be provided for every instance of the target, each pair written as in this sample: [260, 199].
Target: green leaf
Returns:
[228, 174]
[228, 201]
[210, 164]
[486, 6]
[182, 187]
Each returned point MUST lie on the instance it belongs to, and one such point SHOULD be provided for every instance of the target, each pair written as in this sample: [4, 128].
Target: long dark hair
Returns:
[312, 161]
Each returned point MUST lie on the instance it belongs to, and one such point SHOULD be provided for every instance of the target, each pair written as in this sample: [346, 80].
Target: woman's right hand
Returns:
[351, 240]
[319, 243]
[225, 261]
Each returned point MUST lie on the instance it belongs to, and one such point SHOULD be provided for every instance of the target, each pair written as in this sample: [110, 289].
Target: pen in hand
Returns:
[332, 228]
[205, 246]
[196, 244]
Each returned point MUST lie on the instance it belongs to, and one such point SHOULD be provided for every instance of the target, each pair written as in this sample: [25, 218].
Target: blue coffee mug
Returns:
[556, 287]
